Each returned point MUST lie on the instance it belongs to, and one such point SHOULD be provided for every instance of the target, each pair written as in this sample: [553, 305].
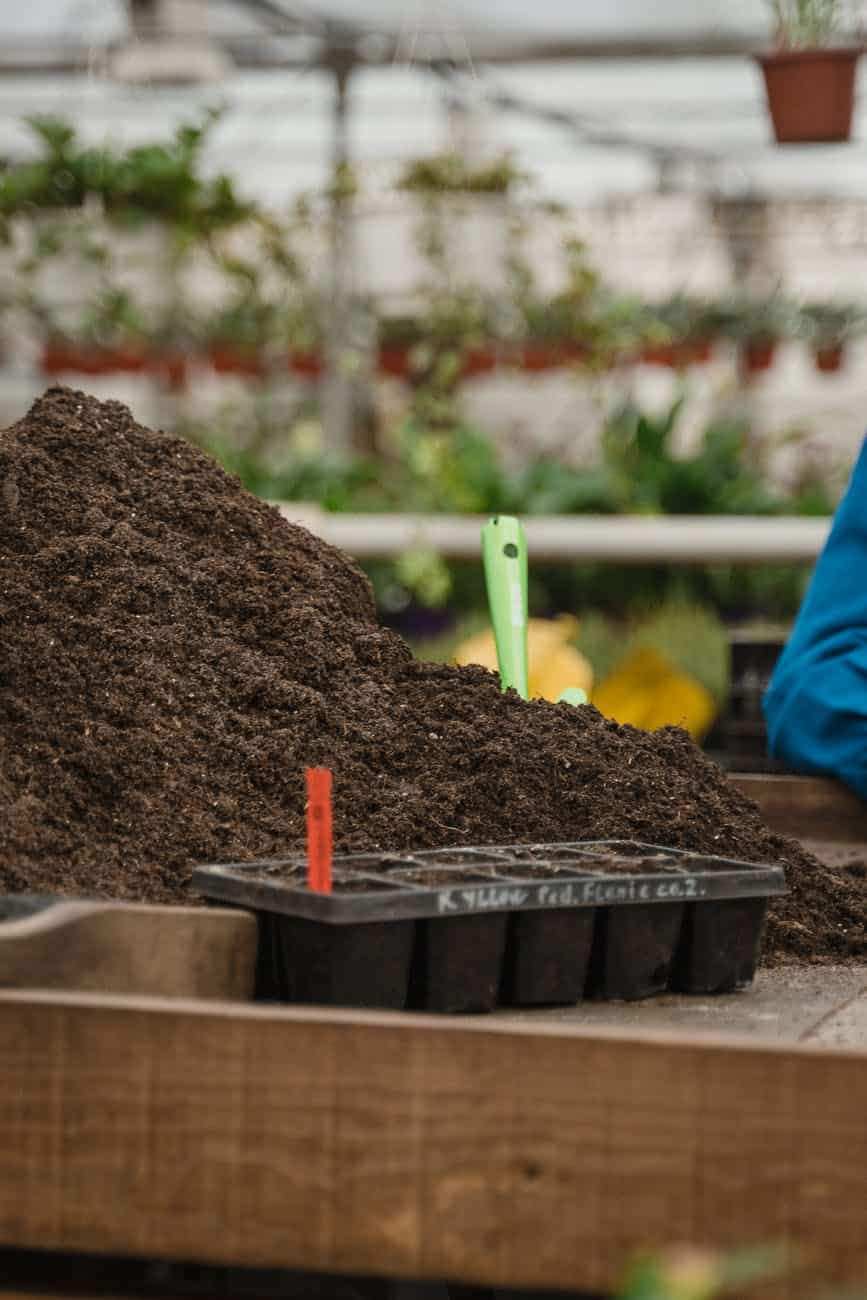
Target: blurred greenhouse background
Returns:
[405, 259]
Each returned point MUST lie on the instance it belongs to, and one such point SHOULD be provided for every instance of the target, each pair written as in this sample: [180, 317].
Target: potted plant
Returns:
[57, 355]
[62, 355]
[175, 339]
[61, 261]
[160, 206]
[455, 340]
[708, 325]
[826, 328]
[809, 80]
[681, 333]
[460, 214]
[449, 173]
[240, 332]
[550, 334]
[61, 177]
[405, 347]
[164, 182]
[76, 214]
[555, 330]
[307, 363]
[51, 213]
[479, 359]
[757, 326]
[110, 336]
[398, 335]
[302, 326]
[616, 330]
[116, 331]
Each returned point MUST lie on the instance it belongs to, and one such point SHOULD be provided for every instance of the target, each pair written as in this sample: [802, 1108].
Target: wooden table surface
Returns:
[497, 1151]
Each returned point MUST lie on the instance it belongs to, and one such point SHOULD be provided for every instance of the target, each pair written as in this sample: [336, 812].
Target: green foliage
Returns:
[830, 324]
[344, 183]
[683, 319]
[456, 469]
[337, 485]
[651, 479]
[161, 181]
[547, 487]
[751, 319]
[247, 320]
[111, 319]
[449, 173]
[805, 24]
[692, 1274]
[164, 181]
[63, 174]
[692, 637]
[423, 572]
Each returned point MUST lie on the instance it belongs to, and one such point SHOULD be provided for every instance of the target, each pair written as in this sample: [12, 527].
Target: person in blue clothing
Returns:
[816, 703]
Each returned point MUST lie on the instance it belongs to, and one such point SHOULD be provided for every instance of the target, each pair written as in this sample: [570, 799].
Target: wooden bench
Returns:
[490, 1152]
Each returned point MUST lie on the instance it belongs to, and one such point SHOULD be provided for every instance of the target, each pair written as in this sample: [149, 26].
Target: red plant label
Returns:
[319, 829]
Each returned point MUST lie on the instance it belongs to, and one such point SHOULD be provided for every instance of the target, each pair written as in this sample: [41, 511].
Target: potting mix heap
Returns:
[173, 654]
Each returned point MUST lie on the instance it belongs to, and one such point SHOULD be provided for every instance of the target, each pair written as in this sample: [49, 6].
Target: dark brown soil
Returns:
[173, 654]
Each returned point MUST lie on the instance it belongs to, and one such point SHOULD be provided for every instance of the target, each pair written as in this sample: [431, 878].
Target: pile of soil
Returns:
[173, 654]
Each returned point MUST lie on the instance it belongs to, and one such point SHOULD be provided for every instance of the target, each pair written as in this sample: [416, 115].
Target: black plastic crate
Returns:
[739, 742]
[459, 930]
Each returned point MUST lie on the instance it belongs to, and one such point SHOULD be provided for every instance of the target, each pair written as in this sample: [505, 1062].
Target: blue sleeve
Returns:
[816, 704]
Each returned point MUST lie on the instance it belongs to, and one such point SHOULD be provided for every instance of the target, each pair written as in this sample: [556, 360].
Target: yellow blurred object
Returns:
[647, 691]
[554, 664]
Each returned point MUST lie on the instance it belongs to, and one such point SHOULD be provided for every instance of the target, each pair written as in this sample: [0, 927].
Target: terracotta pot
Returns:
[829, 360]
[700, 351]
[308, 364]
[538, 357]
[758, 356]
[96, 361]
[811, 93]
[131, 360]
[394, 360]
[576, 353]
[57, 358]
[169, 367]
[682, 356]
[230, 360]
[692, 352]
[479, 361]
[61, 357]
[659, 354]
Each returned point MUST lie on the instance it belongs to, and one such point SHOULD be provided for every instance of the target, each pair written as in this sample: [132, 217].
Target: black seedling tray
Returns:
[456, 930]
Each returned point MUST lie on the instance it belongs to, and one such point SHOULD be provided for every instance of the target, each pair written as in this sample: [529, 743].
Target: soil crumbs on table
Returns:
[173, 654]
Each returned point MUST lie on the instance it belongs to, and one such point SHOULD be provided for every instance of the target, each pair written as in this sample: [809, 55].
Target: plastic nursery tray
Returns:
[466, 929]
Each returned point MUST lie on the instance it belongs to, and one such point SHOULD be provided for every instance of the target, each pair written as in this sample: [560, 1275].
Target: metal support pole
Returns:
[338, 387]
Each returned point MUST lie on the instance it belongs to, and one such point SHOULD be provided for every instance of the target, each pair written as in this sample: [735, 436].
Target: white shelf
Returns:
[686, 540]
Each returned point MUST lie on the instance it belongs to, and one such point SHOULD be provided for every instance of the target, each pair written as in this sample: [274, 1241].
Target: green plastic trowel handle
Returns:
[504, 552]
[572, 695]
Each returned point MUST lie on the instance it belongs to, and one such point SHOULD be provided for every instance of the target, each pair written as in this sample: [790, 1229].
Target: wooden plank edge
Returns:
[232, 1011]
[805, 807]
[485, 1152]
[131, 948]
